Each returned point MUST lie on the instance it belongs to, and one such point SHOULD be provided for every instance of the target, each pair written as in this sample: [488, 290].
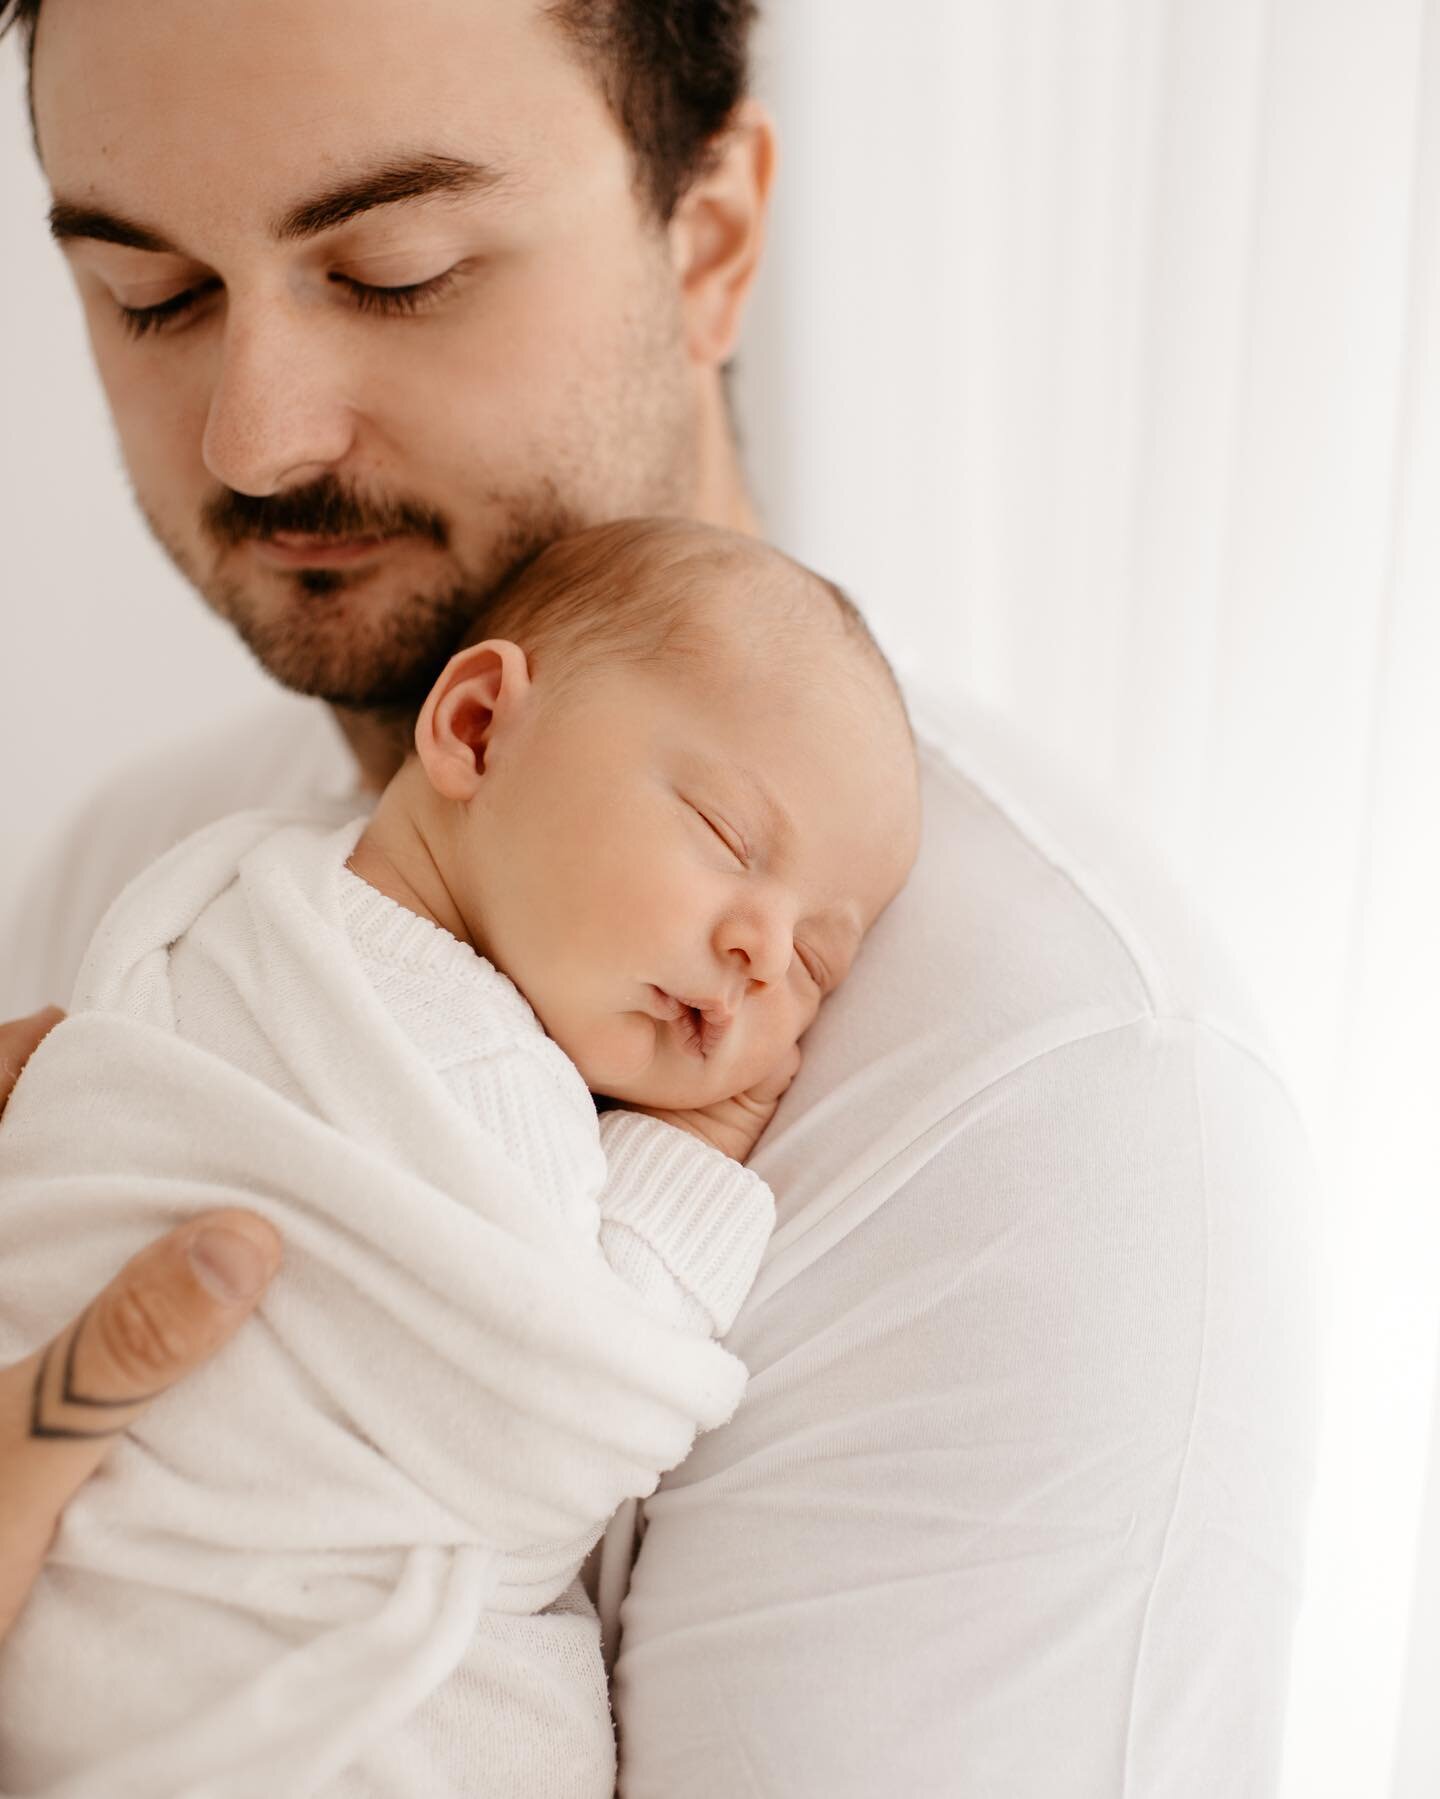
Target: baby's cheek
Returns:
[609, 1052]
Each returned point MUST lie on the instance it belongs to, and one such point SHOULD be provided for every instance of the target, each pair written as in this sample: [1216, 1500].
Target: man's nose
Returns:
[758, 943]
[278, 414]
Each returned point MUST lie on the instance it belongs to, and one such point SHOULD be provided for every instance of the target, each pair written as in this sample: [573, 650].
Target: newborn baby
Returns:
[647, 824]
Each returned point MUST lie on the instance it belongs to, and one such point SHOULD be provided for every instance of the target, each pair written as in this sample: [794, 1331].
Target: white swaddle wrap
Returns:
[445, 1395]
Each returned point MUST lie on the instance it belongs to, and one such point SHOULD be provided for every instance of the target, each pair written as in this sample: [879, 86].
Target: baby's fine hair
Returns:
[630, 590]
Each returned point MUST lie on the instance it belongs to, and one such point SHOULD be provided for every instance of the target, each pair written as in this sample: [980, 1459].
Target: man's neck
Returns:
[721, 495]
[378, 742]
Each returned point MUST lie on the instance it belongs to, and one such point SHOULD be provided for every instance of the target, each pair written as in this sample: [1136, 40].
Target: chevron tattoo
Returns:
[51, 1412]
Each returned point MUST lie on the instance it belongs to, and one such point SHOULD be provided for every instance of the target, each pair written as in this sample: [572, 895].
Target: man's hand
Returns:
[165, 1312]
[734, 1125]
[19, 1041]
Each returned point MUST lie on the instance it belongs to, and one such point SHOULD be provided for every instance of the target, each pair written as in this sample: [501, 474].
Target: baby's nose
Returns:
[757, 947]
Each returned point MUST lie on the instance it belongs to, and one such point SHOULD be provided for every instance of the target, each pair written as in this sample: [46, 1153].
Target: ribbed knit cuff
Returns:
[705, 1215]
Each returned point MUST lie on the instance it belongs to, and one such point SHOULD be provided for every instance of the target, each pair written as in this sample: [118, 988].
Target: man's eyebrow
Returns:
[68, 222]
[409, 178]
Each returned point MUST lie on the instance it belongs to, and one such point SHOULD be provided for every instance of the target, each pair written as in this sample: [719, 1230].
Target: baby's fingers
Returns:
[768, 1089]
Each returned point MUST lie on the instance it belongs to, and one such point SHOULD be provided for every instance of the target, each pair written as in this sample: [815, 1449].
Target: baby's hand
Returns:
[733, 1125]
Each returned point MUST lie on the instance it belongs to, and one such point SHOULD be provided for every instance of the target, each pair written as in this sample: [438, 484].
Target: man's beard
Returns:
[383, 662]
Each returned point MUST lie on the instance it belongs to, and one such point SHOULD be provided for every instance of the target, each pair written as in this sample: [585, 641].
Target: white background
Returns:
[104, 651]
[1095, 355]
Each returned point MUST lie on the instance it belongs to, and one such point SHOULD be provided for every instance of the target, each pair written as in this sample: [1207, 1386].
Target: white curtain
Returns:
[1097, 355]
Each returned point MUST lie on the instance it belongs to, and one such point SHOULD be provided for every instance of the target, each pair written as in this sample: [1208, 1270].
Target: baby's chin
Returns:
[669, 1089]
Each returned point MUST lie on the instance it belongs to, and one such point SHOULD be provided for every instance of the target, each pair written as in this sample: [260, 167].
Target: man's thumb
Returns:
[166, 1311]
[169, 1308]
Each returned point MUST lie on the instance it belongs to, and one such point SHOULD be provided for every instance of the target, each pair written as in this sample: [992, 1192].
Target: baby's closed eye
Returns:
[726, 834]
[813, 966]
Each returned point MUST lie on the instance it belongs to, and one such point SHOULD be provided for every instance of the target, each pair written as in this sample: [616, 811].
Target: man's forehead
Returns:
[282, 92]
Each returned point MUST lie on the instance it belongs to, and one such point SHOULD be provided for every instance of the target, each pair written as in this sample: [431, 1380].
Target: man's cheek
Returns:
[160, 426]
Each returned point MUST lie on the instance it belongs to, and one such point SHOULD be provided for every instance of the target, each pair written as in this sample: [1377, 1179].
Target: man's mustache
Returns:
[321, 509]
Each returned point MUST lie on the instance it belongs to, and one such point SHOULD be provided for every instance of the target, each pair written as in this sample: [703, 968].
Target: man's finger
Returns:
[18, 1042]
[168, 1309]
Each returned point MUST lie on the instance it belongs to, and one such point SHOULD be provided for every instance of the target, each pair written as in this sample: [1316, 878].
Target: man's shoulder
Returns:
[284, 753]
[1037, 994]
[1063, 905]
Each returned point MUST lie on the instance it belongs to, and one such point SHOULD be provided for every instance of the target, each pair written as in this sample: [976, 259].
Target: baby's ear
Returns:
[481, 691]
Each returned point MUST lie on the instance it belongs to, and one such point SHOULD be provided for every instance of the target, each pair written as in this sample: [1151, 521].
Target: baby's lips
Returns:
[712, 1024]
[702, 1023]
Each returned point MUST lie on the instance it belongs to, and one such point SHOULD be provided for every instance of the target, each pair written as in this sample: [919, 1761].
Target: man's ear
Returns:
[718, 232]
[480, 693]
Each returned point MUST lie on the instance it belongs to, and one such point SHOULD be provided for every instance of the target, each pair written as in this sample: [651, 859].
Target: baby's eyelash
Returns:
[731, 838]
[811, 965]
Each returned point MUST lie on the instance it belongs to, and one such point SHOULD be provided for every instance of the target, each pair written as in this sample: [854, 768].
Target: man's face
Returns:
[346, 420]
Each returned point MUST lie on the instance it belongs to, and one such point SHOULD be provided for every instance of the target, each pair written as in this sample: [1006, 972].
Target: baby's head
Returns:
[667, 795]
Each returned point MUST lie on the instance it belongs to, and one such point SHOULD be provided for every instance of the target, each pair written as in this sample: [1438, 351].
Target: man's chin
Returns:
[371, 632]
[338, 636]
[364, 623]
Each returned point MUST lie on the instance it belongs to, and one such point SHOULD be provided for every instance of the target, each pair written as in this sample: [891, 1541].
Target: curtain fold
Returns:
[1095, 357]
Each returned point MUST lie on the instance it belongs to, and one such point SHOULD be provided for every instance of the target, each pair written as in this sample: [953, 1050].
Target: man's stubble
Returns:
[327, 639]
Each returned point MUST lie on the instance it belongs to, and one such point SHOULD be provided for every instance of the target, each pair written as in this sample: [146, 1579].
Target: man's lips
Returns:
[293, 549]
[699, 1023]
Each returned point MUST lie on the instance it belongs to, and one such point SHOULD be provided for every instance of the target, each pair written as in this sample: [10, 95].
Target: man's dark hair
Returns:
[672, 72]
[24, 14]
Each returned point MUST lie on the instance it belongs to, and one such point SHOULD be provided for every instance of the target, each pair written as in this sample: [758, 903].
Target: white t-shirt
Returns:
[1014, 1503]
